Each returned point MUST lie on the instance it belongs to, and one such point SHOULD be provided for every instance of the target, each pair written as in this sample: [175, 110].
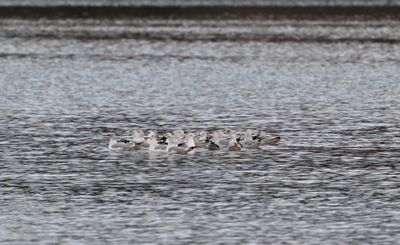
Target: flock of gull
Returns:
[186, 143]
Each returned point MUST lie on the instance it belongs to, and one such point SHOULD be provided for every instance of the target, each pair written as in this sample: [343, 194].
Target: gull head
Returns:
[140, 133]
[248, 135]
[179, 133]
[172, 141]
[202, 135]
[232, 134]
[151, 134]
[113, 140]
[190, 140]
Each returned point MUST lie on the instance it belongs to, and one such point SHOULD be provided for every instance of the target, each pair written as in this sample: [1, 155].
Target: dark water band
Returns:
[203, 12]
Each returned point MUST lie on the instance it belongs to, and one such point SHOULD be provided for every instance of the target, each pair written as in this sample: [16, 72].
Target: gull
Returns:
[220, 139]
[153, 144]
[179, 134]
[201, 136]
[172, 141]
[189, 141]
[233, 144]
[163, 139]
[182, 150]
[114, 145]
[214, 142]
[138, 137]
[249, 142]
[188, 148]
[272, 141]
[265, 140]
[201, 139]
[213, 146]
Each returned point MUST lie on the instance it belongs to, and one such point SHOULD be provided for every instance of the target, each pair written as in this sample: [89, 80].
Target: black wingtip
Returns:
[163, 141]
[125, 141]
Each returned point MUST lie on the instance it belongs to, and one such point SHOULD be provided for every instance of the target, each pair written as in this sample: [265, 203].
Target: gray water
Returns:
[329, 89]
[197, 2]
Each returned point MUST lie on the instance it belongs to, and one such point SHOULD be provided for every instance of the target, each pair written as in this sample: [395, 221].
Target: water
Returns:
[328, 88]
[197, 2]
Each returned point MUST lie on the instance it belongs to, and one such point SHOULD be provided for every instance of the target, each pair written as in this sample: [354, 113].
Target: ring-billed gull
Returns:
[114, 145]
[233, 144]
[189, 141]
[153, 144]
[272, 141]
[188, 148]
[265, 140]
[248, 141]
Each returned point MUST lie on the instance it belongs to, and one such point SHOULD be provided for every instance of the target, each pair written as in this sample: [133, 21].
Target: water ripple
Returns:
[333, 179]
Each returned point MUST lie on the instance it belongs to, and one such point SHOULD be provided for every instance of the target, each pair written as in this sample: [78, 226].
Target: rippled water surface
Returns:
[329, 89]
[195, 2]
